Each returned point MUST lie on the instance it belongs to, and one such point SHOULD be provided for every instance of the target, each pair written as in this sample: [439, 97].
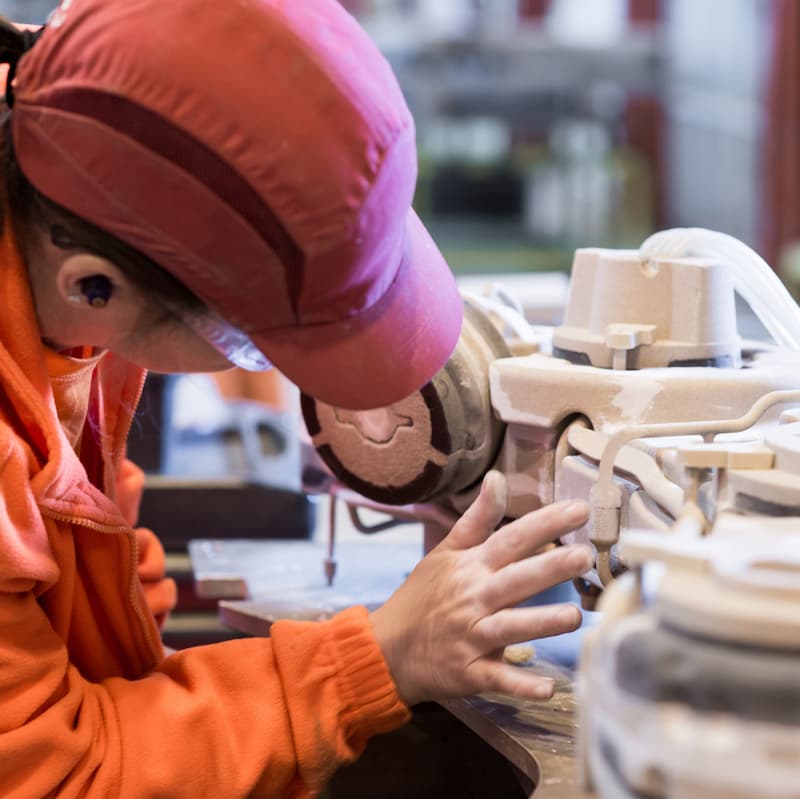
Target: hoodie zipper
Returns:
[156, 649]
[145, 619]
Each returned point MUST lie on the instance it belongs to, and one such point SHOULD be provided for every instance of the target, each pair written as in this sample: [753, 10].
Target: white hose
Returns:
[753, 278]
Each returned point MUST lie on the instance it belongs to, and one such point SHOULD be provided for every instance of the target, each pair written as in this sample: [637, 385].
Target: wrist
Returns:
[394, 652]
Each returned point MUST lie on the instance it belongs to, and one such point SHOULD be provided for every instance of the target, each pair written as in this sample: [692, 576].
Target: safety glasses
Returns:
[227, 340]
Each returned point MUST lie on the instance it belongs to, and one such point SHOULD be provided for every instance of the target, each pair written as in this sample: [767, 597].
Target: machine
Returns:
[684, 436]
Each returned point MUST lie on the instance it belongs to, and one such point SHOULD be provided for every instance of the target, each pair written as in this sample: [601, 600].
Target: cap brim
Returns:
[388, 351]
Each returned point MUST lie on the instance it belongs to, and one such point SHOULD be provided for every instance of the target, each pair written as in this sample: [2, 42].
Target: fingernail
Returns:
[569, 617]
[581, 558]
[545, 689]
[495, 484]
[577, 510]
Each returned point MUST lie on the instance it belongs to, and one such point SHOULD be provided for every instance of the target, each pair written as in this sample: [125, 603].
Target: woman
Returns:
[189, 186]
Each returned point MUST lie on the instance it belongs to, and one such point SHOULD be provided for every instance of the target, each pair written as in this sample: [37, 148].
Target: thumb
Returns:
[483, 515]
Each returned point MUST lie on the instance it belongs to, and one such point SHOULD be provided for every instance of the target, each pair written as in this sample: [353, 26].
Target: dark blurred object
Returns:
[432, 756]
[640, 12]
[781, 151]
[145, 442]
[643, 123]
[533, 9]
[183, 509]
[645, 12]
[465, 190]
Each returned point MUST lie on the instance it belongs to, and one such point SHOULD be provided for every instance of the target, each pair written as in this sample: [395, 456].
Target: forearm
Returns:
[270, 717]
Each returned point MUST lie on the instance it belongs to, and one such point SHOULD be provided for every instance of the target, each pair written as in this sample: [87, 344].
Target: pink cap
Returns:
[262, 152]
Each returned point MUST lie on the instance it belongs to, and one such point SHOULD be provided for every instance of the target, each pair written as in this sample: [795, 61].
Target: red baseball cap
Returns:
[261, 152]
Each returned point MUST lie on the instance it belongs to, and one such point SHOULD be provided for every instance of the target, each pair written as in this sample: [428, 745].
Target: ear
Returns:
[75, 269]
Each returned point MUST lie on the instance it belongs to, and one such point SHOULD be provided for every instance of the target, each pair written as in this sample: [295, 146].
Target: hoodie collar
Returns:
[59, 479]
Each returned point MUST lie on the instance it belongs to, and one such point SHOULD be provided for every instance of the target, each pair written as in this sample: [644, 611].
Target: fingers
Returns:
[513, 625]
[503, 678]
[525, 536]
[520, 581]
[483, 516]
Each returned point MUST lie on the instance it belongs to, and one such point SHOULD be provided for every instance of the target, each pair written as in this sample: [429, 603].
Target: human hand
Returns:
[444, 630]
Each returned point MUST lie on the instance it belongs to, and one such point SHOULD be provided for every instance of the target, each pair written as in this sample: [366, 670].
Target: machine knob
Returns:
[439, 440]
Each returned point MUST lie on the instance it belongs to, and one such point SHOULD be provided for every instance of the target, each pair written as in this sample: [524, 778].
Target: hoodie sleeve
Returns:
[321, 691]
[252, 717]
[263, 717]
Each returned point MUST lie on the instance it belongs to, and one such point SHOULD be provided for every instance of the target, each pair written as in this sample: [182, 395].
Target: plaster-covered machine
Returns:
[684, 435]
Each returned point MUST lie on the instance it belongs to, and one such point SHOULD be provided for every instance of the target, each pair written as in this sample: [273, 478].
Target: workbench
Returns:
[270, 580]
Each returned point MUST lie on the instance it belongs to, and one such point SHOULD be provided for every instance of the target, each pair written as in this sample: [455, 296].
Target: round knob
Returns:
[441, 439]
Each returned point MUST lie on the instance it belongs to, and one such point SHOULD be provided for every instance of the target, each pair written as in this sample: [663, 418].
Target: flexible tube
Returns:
[752, 276]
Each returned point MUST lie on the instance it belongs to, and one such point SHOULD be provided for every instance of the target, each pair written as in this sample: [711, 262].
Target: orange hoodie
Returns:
[89, 705]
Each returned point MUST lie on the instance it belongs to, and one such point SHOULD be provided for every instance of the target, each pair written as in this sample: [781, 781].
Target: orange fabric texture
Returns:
[89, 705]
[71, 382]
